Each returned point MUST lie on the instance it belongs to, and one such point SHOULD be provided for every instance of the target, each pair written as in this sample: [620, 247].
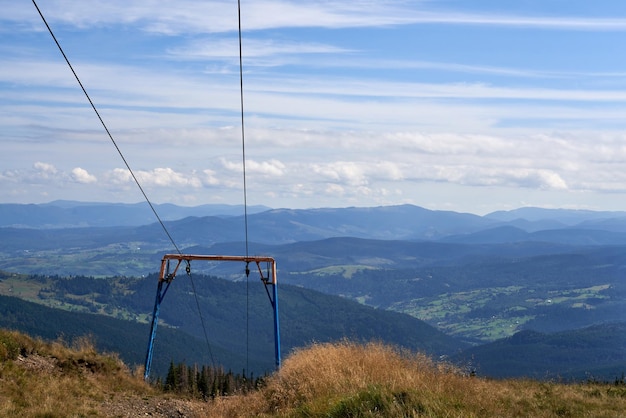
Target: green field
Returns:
[493, 313]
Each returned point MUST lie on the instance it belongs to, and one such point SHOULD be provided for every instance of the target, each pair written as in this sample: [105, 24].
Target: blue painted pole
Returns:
[153, 328]
[276, 327]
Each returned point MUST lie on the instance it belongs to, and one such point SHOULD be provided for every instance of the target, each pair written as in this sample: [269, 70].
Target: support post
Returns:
[153, 328]
[276, 326]
[166, 277]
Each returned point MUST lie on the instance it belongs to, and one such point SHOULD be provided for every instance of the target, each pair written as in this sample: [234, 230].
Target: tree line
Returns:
[207, 382]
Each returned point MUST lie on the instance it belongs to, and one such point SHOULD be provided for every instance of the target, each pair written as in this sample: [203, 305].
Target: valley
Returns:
[476, 280]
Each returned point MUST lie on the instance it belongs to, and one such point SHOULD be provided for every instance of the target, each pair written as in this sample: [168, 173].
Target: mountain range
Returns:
[480, 279]
[222, 223]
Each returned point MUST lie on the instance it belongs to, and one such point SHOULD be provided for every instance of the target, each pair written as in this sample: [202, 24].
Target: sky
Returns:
[471, 106]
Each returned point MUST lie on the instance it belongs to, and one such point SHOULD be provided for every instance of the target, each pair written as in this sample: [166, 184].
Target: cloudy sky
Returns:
[461, 105]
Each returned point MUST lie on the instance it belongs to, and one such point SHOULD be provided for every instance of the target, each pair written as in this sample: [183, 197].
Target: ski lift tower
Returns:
[166, 277]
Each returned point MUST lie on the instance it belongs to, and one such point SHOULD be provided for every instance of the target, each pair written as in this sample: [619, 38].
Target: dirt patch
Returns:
[131, 407]
[37, 363]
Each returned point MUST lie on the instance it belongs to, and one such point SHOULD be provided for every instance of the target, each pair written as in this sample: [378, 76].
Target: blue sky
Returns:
[471, 106]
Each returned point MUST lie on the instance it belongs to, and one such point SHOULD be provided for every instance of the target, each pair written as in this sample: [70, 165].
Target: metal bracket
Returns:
[166, 277]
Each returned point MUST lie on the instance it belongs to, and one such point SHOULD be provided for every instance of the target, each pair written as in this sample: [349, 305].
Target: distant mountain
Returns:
[283, 225]
[406, 222]
[475, 278]
[595, 352]
[222, 223]
[562, 216]
[610, 224]
[384, 254]
[574, 236]
[280, 226]
[269, 227]
[70, 214]
[497, 235]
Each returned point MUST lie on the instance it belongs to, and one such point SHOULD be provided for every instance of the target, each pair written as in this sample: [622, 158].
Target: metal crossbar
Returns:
[166, 277]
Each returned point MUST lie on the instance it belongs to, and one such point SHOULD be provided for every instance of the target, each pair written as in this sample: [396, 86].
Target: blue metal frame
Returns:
[274, 302]
[276, 327]
[165, 277]
[160, 294]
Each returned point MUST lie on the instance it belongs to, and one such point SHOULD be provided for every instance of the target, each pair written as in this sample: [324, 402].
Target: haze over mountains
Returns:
[404, 222]
[67, 214]
[479, 279]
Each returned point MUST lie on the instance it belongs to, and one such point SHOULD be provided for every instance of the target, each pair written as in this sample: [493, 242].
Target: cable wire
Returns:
[119, 151]
[206, 335]
[245, 193]
[243, 136]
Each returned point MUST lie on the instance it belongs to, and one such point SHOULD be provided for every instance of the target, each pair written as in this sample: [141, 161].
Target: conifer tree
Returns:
[171, 379]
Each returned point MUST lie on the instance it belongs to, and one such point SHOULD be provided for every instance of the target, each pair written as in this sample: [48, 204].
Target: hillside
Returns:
[477, 279]
[331, 380]
[41, 379]
[127, 338]
[595, 352]
[306, 316]
[476, 292]
[238, 319]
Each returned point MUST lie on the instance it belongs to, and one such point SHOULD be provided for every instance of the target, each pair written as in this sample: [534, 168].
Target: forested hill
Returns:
[595, 352]
[116, 310]
[478, 279]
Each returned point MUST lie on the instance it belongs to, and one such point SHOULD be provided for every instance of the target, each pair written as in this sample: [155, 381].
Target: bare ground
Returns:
[135, 406]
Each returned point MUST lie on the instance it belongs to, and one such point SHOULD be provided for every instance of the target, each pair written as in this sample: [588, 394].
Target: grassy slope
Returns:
[51, 380]
[331, 380]
[128, 338]
[339, 380]
[305, 316]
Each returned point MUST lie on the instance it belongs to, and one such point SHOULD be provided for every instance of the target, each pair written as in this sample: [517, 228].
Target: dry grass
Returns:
[39, 379]
[375, 380]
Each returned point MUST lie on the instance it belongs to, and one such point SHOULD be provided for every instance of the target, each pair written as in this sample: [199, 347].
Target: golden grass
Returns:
[375, 380]
[345, 379]
[42, 379]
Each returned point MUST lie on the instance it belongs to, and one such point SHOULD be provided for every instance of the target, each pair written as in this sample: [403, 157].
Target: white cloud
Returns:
[513, 177]
[271, 168]
[334, 189]
[119, 176]
[167, 177]
[157, 177]
[81, 175]
[348, 172]
[210, 177]
[556, 22]
[330, 116]
[268, 168]
[45, 170]
[550, 180]
[228, 48]
[173, 17]
[293, 99]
